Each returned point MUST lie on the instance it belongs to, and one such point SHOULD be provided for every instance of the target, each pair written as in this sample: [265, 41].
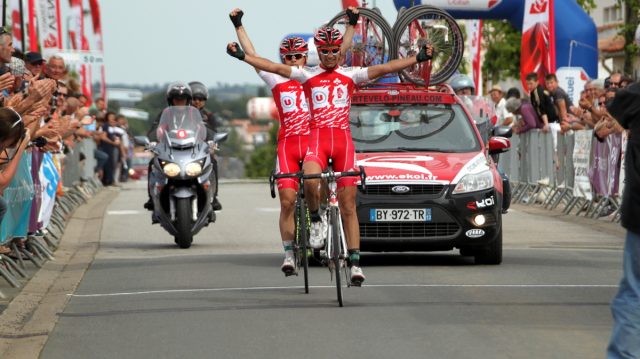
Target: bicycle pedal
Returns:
[289, 274]
[356, 283]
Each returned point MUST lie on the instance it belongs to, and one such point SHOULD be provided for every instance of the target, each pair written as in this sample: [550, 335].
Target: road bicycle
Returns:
[334, 254]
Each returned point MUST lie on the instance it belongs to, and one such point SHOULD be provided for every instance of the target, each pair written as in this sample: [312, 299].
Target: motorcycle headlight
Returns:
[171, 169]
[193, 169]
[474, 182]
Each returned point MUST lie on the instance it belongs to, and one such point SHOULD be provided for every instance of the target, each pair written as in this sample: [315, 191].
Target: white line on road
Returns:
[122, 212]
[268, 209]
[198, 290]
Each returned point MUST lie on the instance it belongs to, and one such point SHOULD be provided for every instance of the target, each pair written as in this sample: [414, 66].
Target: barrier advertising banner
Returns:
[18, 195]
[604, 169]
[49, 178]
[538, 40]
[581, 156]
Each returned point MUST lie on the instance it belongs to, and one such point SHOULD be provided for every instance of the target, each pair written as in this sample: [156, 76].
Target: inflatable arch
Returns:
[558, 30]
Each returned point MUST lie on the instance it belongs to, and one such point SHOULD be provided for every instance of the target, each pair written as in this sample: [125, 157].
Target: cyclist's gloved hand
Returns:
[234, 50]
[353, 14]
[237, 18]
[425, 54]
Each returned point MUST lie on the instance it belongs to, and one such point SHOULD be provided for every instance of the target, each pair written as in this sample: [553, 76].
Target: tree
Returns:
[264, 157]
[502, 58]
[628, 30]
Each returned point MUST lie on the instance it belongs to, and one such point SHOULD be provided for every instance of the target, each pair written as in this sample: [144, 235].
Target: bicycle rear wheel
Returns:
[372, 40]
[336, 243]
[424, 24]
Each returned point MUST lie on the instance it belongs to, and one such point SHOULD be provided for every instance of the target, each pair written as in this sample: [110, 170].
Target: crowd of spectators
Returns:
[42, 110]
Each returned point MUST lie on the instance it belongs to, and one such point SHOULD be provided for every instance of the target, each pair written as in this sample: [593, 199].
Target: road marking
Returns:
[268, 209]
[199, 290]
[122, 212]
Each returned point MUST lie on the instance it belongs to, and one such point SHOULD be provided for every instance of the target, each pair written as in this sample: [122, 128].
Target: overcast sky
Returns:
[155, 42]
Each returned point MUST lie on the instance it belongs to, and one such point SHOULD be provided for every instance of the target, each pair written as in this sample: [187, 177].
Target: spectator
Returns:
[109, 144]
[35, 64]
[563, 104]
[529, 119]
[12, 133]
[513, 92]
[625, 337]
[126, 148]
[541, 102]
[613, 81]
[504, 117]
[55, 68]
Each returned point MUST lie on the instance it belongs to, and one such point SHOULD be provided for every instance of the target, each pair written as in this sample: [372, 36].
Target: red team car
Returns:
[432, 184]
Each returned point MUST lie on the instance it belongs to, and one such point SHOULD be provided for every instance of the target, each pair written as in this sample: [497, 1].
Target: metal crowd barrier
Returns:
[563, 178]
[38, 247]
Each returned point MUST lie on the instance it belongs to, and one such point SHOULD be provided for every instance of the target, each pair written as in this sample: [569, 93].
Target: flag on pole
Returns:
[48, 17]
[474, 49]
[13, 9]
[538, 40]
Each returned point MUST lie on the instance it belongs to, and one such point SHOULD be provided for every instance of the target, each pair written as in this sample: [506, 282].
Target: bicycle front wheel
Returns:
[302, 231]
[336, 250]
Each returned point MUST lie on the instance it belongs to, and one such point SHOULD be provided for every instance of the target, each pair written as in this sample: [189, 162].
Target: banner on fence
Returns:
[581, 154]
[18, 195]
[604, 170]
[49, 178]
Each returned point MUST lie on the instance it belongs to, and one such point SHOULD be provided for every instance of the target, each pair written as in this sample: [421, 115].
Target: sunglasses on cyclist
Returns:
[293, 56]
[327, 51]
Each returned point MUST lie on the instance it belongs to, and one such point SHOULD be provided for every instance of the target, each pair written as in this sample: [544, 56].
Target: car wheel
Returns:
[492, 253]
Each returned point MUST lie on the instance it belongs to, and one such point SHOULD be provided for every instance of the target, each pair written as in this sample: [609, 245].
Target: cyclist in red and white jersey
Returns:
[293, 134]
[328, 88]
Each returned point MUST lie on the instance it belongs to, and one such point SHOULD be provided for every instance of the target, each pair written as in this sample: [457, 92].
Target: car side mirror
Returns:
[141, 140]
[503, 131]
[499, 144]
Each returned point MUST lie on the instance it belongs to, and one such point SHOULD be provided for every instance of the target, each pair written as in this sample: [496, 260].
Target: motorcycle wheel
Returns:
[183, 222]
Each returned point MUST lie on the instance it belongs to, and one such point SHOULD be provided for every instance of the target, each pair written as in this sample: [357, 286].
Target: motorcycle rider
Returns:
[200, 95]
[178, 94]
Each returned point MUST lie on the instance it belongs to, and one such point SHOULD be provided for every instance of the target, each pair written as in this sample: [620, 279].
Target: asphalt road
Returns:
[225, 297]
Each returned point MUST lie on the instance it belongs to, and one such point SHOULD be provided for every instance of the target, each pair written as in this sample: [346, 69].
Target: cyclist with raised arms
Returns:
[328, 88]
[293, 134]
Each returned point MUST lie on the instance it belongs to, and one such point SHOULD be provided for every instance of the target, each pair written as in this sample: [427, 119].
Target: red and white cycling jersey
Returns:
[291, 103]
[330, 93]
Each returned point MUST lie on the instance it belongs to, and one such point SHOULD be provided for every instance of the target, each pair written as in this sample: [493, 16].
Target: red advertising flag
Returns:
[538, 40]
[33, 35]
[97, 30]
[48, 17]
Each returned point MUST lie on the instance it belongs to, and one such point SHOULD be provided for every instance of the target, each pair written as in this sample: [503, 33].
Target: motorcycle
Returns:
[182, 180]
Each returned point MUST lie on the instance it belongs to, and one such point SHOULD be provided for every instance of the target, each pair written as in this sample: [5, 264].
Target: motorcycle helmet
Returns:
[178, 89]
[461, 81]
[198, 89]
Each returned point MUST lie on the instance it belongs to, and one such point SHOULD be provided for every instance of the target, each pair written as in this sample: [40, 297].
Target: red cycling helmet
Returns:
[327, 36]
[293, 45]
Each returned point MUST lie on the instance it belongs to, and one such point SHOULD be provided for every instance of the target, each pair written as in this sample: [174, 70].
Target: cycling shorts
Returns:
[334, 143]
[291, 152]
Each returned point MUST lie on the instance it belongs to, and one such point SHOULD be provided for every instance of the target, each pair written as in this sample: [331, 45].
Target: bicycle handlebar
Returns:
[324, 174]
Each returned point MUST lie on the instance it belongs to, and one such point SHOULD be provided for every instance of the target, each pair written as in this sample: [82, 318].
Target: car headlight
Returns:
[132, 172]
[193, 169]
[171, 169]
[474, 182]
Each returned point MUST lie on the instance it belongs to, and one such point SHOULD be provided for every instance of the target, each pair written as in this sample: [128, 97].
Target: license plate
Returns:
[400, 215]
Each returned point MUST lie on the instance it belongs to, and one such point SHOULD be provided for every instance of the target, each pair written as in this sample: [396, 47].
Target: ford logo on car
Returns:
[475, 233]
[400, 189]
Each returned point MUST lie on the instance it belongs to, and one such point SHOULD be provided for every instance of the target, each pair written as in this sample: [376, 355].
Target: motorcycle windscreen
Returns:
[181, 126]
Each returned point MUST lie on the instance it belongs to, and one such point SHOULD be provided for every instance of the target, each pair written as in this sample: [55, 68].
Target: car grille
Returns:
[414, 189]
[408, 230]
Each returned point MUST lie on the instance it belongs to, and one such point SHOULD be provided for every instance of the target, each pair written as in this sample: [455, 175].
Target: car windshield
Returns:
[181, 126]
[438, 128]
